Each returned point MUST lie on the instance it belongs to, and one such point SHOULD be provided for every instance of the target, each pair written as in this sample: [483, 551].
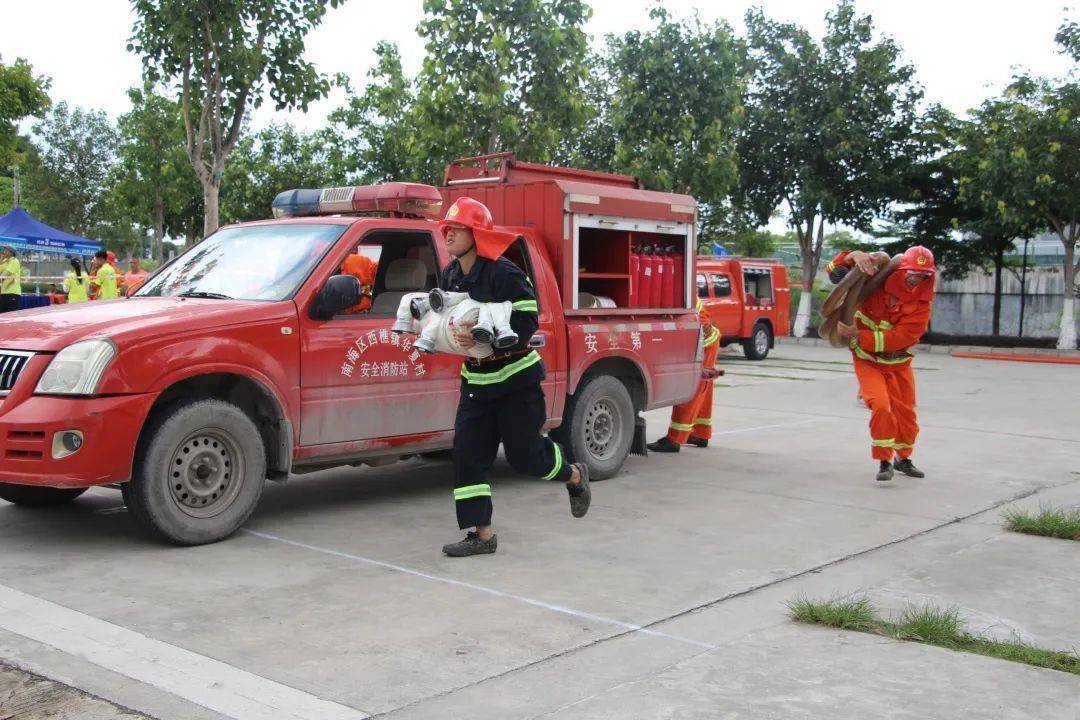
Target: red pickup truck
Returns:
[747, 300]
[238, 362]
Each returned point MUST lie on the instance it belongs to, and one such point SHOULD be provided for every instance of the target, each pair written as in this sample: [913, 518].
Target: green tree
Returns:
[676, 102]
[378, 127]
[22, 94]
[1029, 170]
[274, 159]
[829, 128]
[225, 55]
[77, 150]
[501, 74]
[152, 181]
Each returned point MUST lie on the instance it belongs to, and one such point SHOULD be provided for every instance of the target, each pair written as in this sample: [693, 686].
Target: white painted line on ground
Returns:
[480, 588]
[201, 680]
[770, 427]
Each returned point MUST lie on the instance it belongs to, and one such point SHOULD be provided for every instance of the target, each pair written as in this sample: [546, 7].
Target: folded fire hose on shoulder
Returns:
[433, 316]
[850, 293]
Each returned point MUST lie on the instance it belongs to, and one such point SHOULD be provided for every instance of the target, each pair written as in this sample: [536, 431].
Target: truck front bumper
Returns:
[109, 427]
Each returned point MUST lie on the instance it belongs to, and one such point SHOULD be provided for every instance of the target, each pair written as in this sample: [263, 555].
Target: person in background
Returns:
[363, 269]
[76, 282]
[134, 277]
[10, 280]
[104, 280]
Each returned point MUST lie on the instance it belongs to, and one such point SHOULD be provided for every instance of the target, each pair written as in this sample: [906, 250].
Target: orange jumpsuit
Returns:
[890, 321]
[363, 269]
[694, 417]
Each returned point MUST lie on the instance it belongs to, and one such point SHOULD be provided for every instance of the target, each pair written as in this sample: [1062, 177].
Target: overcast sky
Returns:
[963, 50]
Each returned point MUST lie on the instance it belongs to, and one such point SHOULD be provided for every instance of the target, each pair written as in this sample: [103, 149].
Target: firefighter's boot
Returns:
[663, 445]
[907, 467]
[885, 472]
[472, 545]
[580, 492]
[698, 442]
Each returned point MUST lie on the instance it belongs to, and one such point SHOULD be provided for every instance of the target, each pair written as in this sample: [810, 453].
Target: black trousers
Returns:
[9, 302]
[515, 419]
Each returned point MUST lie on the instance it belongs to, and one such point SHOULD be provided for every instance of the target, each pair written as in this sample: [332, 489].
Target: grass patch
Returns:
[1048, 522]
[929, 624]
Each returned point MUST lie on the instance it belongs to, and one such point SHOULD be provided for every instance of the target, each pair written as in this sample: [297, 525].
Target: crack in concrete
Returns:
[724, 598]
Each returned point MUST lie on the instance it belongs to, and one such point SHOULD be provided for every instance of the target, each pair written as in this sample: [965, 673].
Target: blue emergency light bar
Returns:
[405, 199]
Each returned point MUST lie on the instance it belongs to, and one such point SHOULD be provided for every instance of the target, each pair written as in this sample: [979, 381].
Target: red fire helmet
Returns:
[474, 215]
[918, 259]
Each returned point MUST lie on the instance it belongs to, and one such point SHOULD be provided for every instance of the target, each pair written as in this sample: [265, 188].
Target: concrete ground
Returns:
[667, 601]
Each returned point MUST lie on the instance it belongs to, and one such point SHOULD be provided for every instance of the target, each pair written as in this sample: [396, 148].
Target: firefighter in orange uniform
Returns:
[691, 422]
[888, 322]
[363, 269]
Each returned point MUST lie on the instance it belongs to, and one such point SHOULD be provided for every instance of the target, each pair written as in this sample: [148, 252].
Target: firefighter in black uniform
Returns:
[501, 397]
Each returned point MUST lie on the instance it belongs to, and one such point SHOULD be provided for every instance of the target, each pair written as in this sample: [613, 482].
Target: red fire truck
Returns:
[235, 362]
[748, 301]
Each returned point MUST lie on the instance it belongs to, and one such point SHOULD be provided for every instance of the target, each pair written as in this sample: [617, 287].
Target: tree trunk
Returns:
[159, 227]
[210, 207]
[810, 249]
[1067, 335]
[999, 263]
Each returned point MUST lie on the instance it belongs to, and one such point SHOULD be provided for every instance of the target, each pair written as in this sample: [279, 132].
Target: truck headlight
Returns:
[77, 369]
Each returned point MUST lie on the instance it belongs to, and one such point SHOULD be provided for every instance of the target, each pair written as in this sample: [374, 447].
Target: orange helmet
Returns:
[918, 259]
[474, 215]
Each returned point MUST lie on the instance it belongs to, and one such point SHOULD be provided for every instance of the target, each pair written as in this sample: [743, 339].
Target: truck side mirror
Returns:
[339, 293]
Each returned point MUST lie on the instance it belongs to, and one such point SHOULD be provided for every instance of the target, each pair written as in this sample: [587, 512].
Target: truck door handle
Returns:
[538, 340]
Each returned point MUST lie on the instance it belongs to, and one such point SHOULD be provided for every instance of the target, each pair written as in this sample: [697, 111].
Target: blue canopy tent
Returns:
[24, 233]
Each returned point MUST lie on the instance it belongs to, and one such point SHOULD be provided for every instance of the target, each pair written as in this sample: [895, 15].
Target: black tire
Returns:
[756, 347]
[598, 426]
[199, 472]
[37, 496]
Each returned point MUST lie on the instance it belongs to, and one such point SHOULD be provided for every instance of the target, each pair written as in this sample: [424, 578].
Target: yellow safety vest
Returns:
[106, 282]
[76, 286]
[12, 285]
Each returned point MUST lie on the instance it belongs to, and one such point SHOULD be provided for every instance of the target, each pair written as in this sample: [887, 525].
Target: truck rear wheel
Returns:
[199, 473]
[37, 496]
[601, 426]
[756, 347]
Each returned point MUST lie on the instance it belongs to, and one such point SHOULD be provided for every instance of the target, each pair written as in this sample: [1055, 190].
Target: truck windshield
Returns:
[257, 262]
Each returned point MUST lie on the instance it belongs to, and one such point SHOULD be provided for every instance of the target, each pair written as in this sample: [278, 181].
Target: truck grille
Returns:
[12, 363]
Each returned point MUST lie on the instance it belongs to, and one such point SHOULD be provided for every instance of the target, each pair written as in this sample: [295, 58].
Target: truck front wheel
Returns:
[756, 347]
[599, 426]
[199, 472]
[36, 496]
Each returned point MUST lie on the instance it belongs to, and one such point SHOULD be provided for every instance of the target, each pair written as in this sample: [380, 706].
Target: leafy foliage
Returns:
[22, 94]
[226, 55]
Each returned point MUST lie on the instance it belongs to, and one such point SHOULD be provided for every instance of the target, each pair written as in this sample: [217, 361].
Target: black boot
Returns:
[663, 445]
[885, 472]
[699, 442]
[580, 492]
[472, 545]
[907, 467]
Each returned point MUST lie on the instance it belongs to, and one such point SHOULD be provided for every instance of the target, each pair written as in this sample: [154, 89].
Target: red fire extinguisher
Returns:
[679, 261]
[635, 278]
[657, 290]
[648, 270]
[668, 291]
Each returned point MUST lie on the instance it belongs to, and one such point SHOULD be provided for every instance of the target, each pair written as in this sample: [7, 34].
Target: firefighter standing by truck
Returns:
[888, 322]
[501, 398]
[691, 421]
